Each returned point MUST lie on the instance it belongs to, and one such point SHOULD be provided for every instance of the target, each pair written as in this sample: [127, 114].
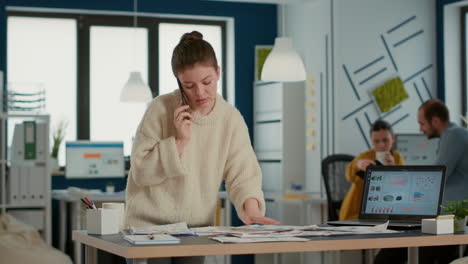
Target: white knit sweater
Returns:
[163, 188]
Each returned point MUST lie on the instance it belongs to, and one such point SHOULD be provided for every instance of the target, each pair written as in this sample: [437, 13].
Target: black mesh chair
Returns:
[336, 185]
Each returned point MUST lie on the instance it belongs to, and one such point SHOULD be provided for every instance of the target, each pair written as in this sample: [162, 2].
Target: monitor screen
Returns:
[403, 192]
[416, 148]
[94, 159]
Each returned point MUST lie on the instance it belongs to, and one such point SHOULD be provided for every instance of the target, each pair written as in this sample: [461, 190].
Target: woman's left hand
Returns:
[260, 220]
[252, 214]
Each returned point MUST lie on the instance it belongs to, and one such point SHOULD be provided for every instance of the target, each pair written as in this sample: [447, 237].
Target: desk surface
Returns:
[193, 246]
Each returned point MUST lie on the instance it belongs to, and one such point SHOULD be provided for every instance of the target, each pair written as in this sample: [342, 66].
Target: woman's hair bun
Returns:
[194, 35]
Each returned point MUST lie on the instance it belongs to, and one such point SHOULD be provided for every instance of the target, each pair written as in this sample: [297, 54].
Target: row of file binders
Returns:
[27, 185]
[27, 178]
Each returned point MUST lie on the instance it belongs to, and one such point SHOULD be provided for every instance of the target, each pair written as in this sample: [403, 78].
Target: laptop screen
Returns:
[403, 190]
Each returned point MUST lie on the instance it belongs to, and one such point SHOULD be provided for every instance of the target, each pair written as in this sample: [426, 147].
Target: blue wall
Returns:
[255, 24]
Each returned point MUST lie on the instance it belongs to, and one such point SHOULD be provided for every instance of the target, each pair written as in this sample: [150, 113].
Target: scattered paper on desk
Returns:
[174, 229]
[227, 239]
[247, 230]
[211, 230]
[274, 227]
[270, 233]
[357, 230]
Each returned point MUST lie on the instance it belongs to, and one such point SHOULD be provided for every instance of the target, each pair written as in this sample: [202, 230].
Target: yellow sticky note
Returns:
[309, 104]
[310, 117]
[310, 131]
[310, 91]
[310, 79]
[311, 145]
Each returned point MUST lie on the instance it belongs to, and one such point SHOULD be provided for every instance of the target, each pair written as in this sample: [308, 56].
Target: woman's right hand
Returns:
[182, 122]
[363, 163]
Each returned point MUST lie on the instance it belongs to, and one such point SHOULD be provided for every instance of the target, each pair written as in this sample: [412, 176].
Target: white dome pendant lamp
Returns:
[283, 64]
[135, 89]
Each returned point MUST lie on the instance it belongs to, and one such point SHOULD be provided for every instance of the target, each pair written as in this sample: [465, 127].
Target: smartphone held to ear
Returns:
[184, 100]
[182, 95]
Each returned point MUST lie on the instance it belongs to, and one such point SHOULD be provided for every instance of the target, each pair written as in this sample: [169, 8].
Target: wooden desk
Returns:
[203, 246]
[65, 198]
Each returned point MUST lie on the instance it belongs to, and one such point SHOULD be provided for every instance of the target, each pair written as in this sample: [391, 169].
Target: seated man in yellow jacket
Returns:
[382, 138]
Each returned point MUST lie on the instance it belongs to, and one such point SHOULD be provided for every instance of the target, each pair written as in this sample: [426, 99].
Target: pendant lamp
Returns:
[135, 89]
[283, 64]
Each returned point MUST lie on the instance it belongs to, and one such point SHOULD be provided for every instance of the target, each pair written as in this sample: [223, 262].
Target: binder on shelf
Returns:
[37, 185]
[17, 146]
[24, 185]
[41, 146]
[29, 140]
[14, 185]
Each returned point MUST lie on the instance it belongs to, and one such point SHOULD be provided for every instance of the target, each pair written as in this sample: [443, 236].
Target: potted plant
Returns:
[58, 135]
[460, 210]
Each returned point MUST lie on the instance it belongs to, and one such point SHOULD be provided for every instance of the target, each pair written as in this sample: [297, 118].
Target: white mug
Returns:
[380, 156]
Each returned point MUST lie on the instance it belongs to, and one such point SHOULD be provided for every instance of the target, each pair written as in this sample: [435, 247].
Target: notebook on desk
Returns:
[152, 239]
[402, 195]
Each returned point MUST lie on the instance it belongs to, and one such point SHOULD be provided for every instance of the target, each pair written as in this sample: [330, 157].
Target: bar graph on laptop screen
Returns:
[94, 159]
[403, 192]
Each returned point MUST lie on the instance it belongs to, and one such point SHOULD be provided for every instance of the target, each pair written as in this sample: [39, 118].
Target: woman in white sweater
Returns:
[182, 152]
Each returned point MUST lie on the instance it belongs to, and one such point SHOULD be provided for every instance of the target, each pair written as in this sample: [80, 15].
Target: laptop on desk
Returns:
[402, 195]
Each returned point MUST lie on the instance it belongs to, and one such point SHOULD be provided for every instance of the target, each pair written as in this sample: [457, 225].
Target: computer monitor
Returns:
[416, 148]
[94, 159]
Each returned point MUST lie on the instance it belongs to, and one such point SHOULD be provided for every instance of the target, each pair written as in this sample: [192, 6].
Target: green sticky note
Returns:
[262, 54]
[390, 94]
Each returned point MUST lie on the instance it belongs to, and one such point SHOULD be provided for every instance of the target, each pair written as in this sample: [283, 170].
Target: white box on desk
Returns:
[437, 226]
[102, 221]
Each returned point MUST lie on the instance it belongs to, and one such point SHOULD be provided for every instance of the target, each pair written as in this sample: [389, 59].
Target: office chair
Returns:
[336, 185]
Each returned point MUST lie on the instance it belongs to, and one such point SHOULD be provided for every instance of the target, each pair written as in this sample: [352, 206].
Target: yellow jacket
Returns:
[352, 202]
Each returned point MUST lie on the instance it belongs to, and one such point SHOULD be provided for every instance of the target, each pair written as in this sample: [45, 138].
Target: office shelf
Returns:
[11, 206]
[35, 207]
[279, 134]
[279, 143]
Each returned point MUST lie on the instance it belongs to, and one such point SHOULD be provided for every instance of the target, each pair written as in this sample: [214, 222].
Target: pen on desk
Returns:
[183, 235]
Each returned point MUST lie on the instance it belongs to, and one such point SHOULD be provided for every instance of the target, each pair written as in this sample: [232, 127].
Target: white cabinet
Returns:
[279, 134]
[25, 182]
[279, 143]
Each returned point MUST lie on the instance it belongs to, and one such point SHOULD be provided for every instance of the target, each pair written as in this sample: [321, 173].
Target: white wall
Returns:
[452, 58]
[308, 24]
[360, 33]
[355, 31]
